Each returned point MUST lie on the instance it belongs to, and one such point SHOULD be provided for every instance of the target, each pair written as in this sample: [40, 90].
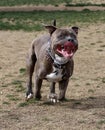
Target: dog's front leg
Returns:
[52, 87]
[53, 96]
[62, 88]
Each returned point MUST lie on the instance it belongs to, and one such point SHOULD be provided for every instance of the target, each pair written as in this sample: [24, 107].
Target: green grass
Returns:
[91, 91]
[6, 103]
[22, 70]
[18, 85]
[32, 2]
[20, 88]
[101, 122]
[16, 82]
[32, 21]
[23, 104]
[26, 103]
[83, 4]
[12, 97]
[103, 80]
[46, 2]
[4, 85]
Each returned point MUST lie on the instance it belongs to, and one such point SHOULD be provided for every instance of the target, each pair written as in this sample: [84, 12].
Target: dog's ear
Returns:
[75, 29]
[54, 22]
[50, 28]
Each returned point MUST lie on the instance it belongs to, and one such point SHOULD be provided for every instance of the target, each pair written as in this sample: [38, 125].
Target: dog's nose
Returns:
[71, 40]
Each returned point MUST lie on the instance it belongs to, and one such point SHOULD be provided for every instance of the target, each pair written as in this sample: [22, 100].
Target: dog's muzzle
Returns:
[67, 49]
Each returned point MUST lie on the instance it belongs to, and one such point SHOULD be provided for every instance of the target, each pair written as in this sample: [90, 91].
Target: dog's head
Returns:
[64, 42]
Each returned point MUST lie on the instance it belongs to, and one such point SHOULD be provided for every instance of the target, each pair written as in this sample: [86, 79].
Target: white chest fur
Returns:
[57, 73]
[55, 76]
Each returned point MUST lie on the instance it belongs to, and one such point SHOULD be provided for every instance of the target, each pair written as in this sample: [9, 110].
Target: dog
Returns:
[51, 57]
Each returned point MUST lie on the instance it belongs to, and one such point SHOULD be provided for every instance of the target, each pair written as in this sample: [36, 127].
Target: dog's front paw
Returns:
[29, 96]
[53, 98]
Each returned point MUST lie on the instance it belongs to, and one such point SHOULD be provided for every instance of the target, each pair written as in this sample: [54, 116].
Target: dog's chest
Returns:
[56, 75]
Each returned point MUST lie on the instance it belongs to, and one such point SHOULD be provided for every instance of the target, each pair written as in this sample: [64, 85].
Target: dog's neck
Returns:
[59, 64]
[58, 61]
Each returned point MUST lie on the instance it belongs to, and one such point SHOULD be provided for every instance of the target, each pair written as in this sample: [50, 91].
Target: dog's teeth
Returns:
[62, 46]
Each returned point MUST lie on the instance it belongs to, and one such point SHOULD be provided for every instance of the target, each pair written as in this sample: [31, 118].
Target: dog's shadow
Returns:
[82, 104]
[85, 103]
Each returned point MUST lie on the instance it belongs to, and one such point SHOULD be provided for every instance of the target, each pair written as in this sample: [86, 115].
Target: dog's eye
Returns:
[72, 35]
[61, 36]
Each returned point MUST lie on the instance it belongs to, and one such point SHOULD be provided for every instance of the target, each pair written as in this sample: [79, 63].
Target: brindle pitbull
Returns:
[51, 56]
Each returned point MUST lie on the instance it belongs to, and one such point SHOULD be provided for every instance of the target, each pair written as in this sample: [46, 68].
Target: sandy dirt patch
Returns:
[30, 8]
[85, 108]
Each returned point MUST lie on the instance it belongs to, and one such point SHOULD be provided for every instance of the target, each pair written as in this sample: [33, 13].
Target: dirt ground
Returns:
[85, 105]
[89, 1]
[61, 7]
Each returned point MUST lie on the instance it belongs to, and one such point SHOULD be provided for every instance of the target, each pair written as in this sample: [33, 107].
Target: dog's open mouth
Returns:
[66, 50]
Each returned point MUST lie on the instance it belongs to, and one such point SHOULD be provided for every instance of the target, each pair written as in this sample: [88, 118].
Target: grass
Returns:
[103, 80]
[26, 103]
[6, 103]
[102, 46]
[33, 2]
[90, 91]
[22, 70]
[20, 88]
[47, 2]
[4, 85]
[18, 85]
[16, 82]
[23, 104]
[32, 21]
[92, 44]
[12, 97]
[101, 122]
[84, 4]
[99, 50]
[88, 84]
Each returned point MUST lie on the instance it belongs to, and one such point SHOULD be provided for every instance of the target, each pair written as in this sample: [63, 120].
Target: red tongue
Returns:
[67, 50]
[69, 47]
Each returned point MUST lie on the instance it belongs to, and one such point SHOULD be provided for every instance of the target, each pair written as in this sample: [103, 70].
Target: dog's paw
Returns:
[53, 98]
[29, 96]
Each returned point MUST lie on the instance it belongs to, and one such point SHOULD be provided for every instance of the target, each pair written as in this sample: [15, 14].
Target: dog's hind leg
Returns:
[31, 59]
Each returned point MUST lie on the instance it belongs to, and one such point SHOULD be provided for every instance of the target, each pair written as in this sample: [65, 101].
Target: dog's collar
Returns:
[56, 61]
